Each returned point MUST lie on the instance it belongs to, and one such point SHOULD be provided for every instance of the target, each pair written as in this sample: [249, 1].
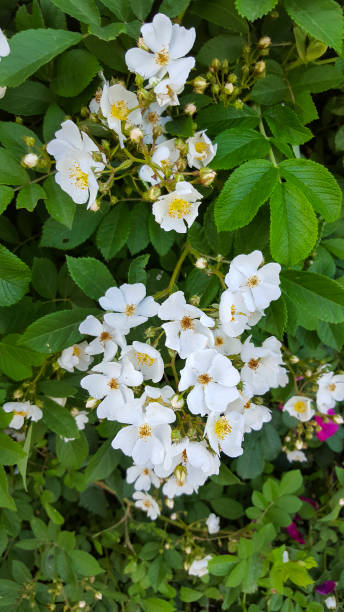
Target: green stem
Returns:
[175, 274]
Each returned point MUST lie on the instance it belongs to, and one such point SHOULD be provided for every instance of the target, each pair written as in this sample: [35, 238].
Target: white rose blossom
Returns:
[225, 432]
[146, 503]
[224, 344]
[213, 523]
[262, 368]
[199, 567]
[259, 285]
[234, 314]
[330, 390]
[75, 356]
[296, 455]
[201, 151]
[130, 305]
[145, 359]
[117, 105]
[22, 411]
[107, 338]
[255, 415]
[177, 210]
[165, 156]
[142, 477]
[4, 46]
[167, 92]
[300, 407]
[151, 119]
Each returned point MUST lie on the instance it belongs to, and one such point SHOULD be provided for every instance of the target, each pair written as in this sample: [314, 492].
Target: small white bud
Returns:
[338, 419]
[91, 402]
[82, 604]
[201, 263]
[188, 550]
[177, 402]
[229, 88]
[98, 595]
[341, 501]
[308, 373]
[294, 359]
[174, 516]
[30, 160]
[299, 444]
[136, 135]
[169, 503]
[190, 109]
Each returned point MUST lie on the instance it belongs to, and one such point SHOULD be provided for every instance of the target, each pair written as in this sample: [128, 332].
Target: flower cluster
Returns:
[160, 60]
[176, 431]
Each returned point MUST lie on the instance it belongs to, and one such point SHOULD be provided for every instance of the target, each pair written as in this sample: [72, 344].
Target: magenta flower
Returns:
[326, 587]
[327, 429]
[295, 533]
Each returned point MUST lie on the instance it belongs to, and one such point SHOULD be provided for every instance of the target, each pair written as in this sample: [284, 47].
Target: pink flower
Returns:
[327, 429]
[294, 533]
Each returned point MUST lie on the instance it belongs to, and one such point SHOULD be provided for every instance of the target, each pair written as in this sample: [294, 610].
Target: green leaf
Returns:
[248, 187]
[323, 19]
[317, 185]
[44, 277]
[59, 204]
[294, 226]
[137, 272]
[113, 231]
[74, 70]
[324, 294]
[291, 482]
[30, 98]
[161, 240]
[59, 420]
[29, 195]
[219, 566]
[275, 318]
[120, 8]
[229, 508]
[220, 12]
[11, 172]
[181, 127]
[153, 604]
[6, 196]
[13, 135]
[270, 90]
[237, 574]
[52, 121]
[332, 335]
[91, 275]
[10, 594]
[335, 246]
[251, 9]
[11, 451]
[14, 277]
[6, 500]
[85, 11]
[16, 361]
[138, 238]
[55, 331]
[60, 237]
[251, 463]
[101, 464]
[173, 8]
[286, 125]
[84, 564]
[108, 32]
[225, 476]
[186, 594]
[141, 8]
[222, 47]
[217, 117]
[236, 146]
[31, 49]
[73, 453]
[20, 572]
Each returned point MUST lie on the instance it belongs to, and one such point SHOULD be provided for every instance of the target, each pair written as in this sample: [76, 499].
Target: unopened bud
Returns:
[82, 604]
[238, 104]
[30, 160]
[180, 474]
[195, 300]
[207, 176]
[136, 135]
[229, 88]
[169, 503]
[177, 402]
[215, 64]
[152, 193]
[186, 566]
[167, 546]
[174, 516]
[225, 65]
[113, 200]
[215, 89]
[190, 109]
[199, 84]
[294, 359]
[308, 373]
[98, 595]
[91, 402]
[260, 67]
[341, 501]
[181, 164]
[298, 444]
[264, 42]
[97, 156]
[338, 419]
[18, 394]
[201, 263]
[29, 141]
[187, 550]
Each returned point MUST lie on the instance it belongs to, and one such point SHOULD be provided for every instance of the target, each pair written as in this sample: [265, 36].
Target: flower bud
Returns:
[341, 501]
[338, 419]
[186, 566]
[190, 109]
[188, 550]
[169, 503]
[152, 193]
[136, 135]
[229, 88]
[180, 474]
[199, 84]
[294, 359]
[167, 546]
[30, 160]
[174, 516]
[91, 403]
[195, 300]
[98, 595]
[82, 604]
[139, 80]
[238, 104]
[181, 164]
[157, 131]
[177, 402]
[29, 141]
[225, 65]
[215, 64]
[260, 67]
[264, 42]
[207, 176]
[113, 200]
[308, 373]
[298, 444]
[18, 394]
[201, 263]
[215, 89]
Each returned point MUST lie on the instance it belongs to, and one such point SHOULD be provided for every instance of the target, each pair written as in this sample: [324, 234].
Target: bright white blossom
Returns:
[224, 344]
[262, 368]
[213, 379]
[259, 285]
[201, 151]
[143, 477]
[4, 46]
[167, 92]
[213, 523]
[147, 503]
[330, 390]
[106, 340]
[177, 210]
[168, 44]
[300, 407]
[199, 567]
[22, 411]
[130, 305]
[117, 105]
[234, 314]
[331, 603]
[255, 415]
[146, 359]
[225, 432]
[76, 357]
[296, 455]
[165, 156]
[151, 119]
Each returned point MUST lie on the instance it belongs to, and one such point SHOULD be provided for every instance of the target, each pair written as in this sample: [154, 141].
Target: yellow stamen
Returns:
[104, 336]
[78, 176]
[253, 364]
[201, 147]
[219, 341]
[76, 351]
[162, 57]
[179, 208]
[145, 431]
[332, 387]
[300, 407]
[20, 412]
[144, 359]
[113, 383]
[222, 428]
[253, 281]
[186, 323]
[153, 117]
[147, 503]
[120, 110]
[204, 379]
[130, 309]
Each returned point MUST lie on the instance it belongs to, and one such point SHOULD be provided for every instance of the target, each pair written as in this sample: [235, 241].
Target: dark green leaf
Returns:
[91, 275]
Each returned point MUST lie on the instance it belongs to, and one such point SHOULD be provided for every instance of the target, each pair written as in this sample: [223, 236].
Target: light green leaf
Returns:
[248, 187]
[317, 185]
[29, 195]
[324, 294]
[6, 500]
[85, 11]
[237, 574]
[6, 196]
[74, 70]
[286, 125]
[108, 32]
[59, 204]
[141, 8]
[55, 331]
[251, 9]
[332, 335]
[323, 19]
[11, 451]
[120, 8]
[59, 420]
[186, 594]
[294, 226]
[153, 604]
[12, 137]
[221, 12]
[84, 564]
[44, 277]
[335, 246]
[91, 275]
[225, 477]
[219, 566]
[161, 240]
[11, 172]
[137, 272]
[31, 49]
[235, 146]
[291, 482]
[14, 277]
[16, 361]
[229, 508]
[113, 231]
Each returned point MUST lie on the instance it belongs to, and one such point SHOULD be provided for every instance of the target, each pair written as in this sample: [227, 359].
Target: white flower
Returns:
[177, 210]
[330, 390]
[296, 455]
[151, 119]
[111, 381]
[30, 160]
[75, 357]
[165, 156]
[224, 344]
[148, 434]
[255, 415]
[167, 92]
[331, 603]
[233, 313]
[4, 46]
[300, 407]
[143, 477]
[263, 366]
[81, 420]
[199, 567]
[213, 379]
[168, 43]
[213, 523]
[225, 433]
[258, 285]
[130, 304]
[162, 395]
[185, 333]
[68, 140]
[106, 340]
[146, 503]
[22, 411]
[201, 150]
[118, 104]
[145, 359]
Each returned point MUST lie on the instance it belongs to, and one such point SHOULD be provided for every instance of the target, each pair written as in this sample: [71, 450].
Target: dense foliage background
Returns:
[70, 537]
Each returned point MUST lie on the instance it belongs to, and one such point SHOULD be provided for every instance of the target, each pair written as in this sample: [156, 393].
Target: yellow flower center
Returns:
[186, 323]
[145, 472]
[120, 110]
[20, 412]
[130, 309]
[179, 208]
[300, 407]
[145, 431]
[219, 341]
[147, 503]
[104, 336]
[332, 387]
[222, 428]
[204, 379]
[76, 351]
[144, 359]
[253, 364]
[113, 383]
[202, 148]
[253, 281]
[153, 117]
[78, 176]
[247, 405]
[162, 57]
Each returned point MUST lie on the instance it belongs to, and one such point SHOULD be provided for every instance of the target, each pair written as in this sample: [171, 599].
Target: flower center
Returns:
[253, 364]
[144, 359]
[113, 383]
[179, 208]
[185, 457]
[253, 281]
[162, 57]
[120, 110]
[145, 472]
[130, 309]
[20, 412]
[104, 336]
[219, 341]
[332, 387]
[202, 148]
[300, 407]
[153, 117]
[147, 503]
[145, 431]
[186, 323]
[247, 405]
[76, 351]
[204, 379]
[222, 428]
[78, 176]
